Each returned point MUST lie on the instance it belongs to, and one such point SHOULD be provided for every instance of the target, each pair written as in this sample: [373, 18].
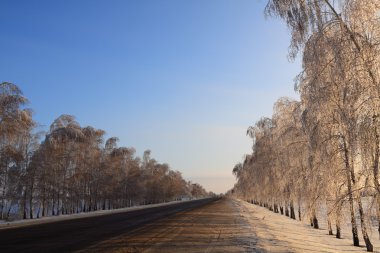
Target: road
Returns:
[211, 225]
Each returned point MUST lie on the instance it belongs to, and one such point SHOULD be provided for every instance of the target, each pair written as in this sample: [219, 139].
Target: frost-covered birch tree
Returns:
[338, 42]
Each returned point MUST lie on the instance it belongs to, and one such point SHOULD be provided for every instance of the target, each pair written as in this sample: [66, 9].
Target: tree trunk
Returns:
[38, 212]
[53, 208]
[378, 214]
[366, 239]
[350, 181]
[315, 221]
[24, 205]
[313, 218]
[31, 207]
[292, 213]
[299, 212]
[329, 226]
[58, 201]
[375, 168]
[338, 231]
[9, 211]
[286, 210]
[337, 221]
[31, 191]
[43, 207]
[275, 208]
[3, 202]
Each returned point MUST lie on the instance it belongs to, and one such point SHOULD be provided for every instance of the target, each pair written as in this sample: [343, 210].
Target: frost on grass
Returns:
[278, 233]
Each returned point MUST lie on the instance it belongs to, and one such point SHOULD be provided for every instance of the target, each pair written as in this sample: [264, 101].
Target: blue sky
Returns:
[182, 78]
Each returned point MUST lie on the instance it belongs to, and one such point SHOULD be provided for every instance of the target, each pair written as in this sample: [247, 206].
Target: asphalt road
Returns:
[218, 227]
[85, 233]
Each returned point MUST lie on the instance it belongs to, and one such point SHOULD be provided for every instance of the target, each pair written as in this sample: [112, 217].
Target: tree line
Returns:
[324, 150]
[71, 169]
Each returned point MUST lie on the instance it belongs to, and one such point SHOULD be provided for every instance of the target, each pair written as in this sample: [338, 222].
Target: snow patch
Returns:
[49, 219]
[278, 233]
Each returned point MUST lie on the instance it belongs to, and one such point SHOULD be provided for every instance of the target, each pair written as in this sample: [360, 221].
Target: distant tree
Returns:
[16, 124]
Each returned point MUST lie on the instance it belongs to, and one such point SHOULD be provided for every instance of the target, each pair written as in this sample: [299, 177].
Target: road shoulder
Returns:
[278, 233]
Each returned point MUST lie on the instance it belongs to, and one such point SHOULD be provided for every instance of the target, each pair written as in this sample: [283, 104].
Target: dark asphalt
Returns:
[77, 234]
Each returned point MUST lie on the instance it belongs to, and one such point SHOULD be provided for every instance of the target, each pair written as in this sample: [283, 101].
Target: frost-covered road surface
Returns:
[210, 226]
[216, 227]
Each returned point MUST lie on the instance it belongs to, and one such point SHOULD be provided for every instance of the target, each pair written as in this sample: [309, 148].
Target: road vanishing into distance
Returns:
[207, 225]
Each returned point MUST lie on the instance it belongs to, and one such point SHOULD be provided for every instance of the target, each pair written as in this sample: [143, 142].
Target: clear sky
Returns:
[182, 78]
